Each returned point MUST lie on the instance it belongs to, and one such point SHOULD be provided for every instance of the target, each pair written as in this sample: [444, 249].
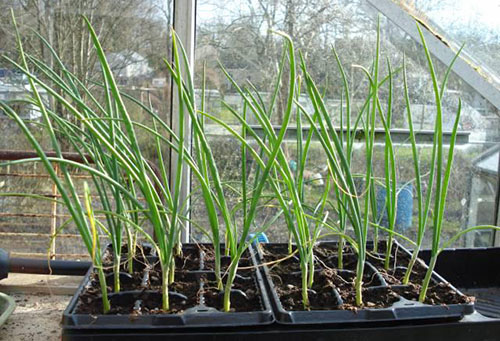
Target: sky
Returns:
[476, 13]
[482, 13]
[452, 16]
[481, 17]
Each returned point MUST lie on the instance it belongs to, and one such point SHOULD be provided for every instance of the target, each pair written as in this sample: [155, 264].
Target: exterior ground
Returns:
[40, 302]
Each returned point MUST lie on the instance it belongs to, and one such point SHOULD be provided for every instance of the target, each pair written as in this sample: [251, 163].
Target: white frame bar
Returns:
[185, 27]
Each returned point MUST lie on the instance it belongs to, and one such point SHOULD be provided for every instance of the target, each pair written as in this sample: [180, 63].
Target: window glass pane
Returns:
[135, 38]
[238, 36]
[461, 21]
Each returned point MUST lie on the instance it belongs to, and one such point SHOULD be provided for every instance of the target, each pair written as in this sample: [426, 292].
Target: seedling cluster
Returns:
[100, 128]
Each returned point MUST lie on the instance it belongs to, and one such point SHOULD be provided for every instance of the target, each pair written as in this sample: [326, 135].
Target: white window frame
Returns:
[184, 23]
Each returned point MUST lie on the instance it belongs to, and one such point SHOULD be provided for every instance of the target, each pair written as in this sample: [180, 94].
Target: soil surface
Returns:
[244, 296]
[194, 284]
[333, 287]
[209, 258]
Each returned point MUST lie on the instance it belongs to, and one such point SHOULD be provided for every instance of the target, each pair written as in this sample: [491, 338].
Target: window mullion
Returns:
[184, 26]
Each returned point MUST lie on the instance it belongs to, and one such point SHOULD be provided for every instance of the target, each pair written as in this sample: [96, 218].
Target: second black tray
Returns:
[403, 310]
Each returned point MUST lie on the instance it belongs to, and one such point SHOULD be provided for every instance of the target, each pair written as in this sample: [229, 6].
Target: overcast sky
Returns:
[479, 14]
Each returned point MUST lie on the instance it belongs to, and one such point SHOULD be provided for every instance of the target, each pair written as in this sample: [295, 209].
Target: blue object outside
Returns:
[261, 238]
[404, 211]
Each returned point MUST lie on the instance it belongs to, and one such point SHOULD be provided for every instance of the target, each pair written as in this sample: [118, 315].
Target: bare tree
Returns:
[126, 28]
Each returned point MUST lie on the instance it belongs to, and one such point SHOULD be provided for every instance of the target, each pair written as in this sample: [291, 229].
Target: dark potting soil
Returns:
[124, 303]
[209, 258]
[193, 285]
[189, 260]
[286, 276]
[244, 296]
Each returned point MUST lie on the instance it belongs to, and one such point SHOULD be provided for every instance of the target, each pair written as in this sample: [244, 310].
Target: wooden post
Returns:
[53, 221]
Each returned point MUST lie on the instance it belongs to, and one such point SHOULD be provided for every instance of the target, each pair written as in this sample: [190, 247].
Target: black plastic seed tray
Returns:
[473, 328]
[469, 269]
[474, 271]
[402, 310]
[135, 296]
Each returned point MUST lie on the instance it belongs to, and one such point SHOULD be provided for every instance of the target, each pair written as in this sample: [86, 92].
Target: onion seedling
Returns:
[96, 247]
[339, 162]
[211, 184]
[276, 172]
[391, 191]
[423, 205]
[276, 162]
[339, 168]
[441, 180]
[65, 186]
[348, 140]
[108, 134]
